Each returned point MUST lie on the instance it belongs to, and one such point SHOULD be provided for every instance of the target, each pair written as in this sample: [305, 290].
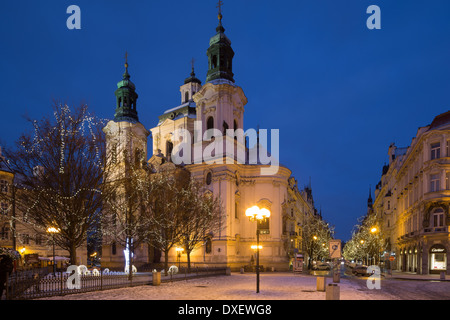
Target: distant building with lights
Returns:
[17, 232]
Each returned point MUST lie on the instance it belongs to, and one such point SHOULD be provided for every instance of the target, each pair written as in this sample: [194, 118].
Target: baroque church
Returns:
[217, 105]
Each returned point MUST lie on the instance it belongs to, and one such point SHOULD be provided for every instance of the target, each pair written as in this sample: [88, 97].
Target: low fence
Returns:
[29, 285]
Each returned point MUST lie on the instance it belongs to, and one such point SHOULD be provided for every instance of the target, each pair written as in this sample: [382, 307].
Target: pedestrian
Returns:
[6, 267]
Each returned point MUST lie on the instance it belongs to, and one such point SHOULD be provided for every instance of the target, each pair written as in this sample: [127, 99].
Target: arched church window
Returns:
[208, 245]
[169, 149]
[208, 178]
[225, 128]
[186, 96]
[139, 156]
[210, 123]
[214, 62]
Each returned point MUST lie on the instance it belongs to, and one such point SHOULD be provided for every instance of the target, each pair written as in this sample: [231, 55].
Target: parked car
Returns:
[360, 270]
[321, 266]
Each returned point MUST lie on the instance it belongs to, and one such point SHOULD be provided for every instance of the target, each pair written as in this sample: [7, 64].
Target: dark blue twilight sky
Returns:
[339, 92]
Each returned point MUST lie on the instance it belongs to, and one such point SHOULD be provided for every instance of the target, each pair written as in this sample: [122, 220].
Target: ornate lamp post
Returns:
[374, 230]
[256, 214]
[53, 231]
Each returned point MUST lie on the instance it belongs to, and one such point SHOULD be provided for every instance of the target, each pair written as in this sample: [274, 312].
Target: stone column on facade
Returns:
[425, 255]
[442, 180]
[447, 247]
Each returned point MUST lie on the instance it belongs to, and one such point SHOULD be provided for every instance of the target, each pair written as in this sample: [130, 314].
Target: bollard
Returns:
[242, 270]
[228, 271]
[321, 282]
[336, 277]
[333, 292]
[442, 275]
[156, 277]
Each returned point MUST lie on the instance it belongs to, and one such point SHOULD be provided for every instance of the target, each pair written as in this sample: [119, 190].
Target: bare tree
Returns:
[200, 216]
[165, 210]
[126, 220]
[59, 170]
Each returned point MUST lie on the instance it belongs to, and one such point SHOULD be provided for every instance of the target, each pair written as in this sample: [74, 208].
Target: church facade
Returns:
[205, 135]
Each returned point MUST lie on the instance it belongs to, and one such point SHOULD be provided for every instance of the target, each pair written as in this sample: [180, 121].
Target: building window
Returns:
[5, 233]
[438, 218]
[4, 209]
[236, 210]
[225, 128]
[25, 238]
[208, 245]
[208, 178]
[434, 182]
[169, 149]
[38, 239]
[186, 96]
[3, 186]
[435, 150]
[210, 123]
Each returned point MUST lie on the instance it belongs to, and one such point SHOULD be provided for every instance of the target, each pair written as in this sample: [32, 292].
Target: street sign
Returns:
[391, 258]
[335, 249]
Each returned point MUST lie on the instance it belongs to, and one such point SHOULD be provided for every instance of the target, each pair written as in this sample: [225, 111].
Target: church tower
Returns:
[125, 135]
[220, 102]
[126, 146]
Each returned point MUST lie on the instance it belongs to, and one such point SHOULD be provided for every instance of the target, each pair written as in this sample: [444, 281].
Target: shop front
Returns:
[438, 258]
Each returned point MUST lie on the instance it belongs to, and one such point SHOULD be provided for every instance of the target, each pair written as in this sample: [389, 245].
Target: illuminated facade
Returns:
[240, 183]
[413, 200]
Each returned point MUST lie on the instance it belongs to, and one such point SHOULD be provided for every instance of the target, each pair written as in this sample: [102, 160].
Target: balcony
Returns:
[435, 230]
[436, 195]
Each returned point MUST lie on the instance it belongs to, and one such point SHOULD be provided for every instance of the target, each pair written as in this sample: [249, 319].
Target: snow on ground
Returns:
[273, 286]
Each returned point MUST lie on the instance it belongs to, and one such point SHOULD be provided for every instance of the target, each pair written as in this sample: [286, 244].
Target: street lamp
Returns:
[375, 230]
[53, 231]
[179, 252]
[256, 214]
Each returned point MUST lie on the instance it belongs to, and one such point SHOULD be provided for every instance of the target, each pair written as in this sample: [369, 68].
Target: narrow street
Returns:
[405, 289]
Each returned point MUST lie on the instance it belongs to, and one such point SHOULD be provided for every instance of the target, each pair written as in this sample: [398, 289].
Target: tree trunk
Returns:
[188, 254]
[166, 261]
[73, 254]
[130, 254]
